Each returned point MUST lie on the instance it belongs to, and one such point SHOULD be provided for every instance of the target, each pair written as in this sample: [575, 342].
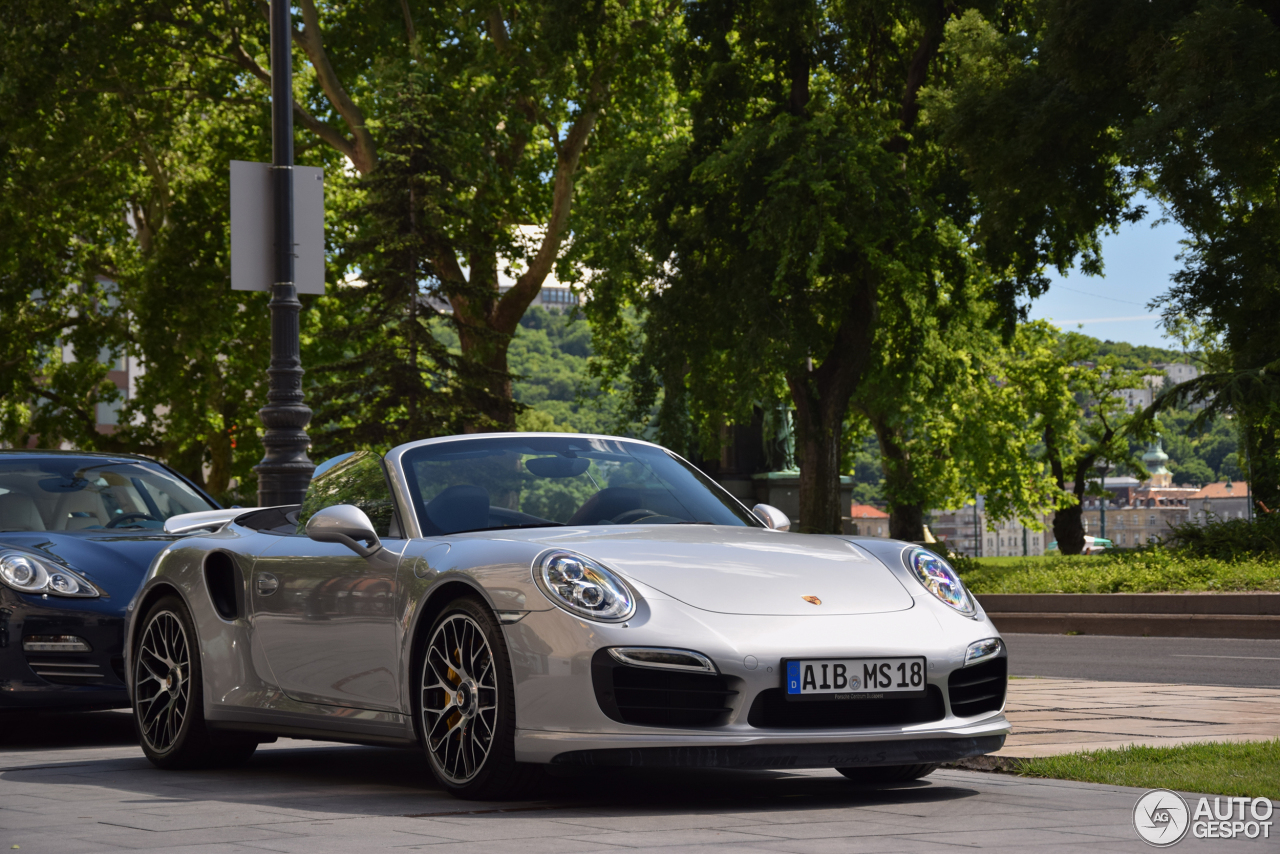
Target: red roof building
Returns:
[869, 521]
[1220, 501]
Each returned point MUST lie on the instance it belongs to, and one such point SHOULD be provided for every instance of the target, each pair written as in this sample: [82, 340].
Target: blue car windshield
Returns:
[67, 493]
[537, 481]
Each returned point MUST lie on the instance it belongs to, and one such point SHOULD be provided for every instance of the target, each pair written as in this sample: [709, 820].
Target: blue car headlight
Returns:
[27, 573]
[939, 578]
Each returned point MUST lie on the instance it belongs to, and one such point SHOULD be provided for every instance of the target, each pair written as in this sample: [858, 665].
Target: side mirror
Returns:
[343, 523]
[772, 517]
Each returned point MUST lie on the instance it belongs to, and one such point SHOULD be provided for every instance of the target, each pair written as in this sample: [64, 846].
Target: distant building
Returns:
[956, 528]
[122, 371]
[1220, 501]
[554, 295]
[869, 521]
[1013, 538]
[1174, 374]
[1137, 513]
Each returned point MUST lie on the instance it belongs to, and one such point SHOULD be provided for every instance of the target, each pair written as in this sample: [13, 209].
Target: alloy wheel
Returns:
[163, 682]
[459, 698]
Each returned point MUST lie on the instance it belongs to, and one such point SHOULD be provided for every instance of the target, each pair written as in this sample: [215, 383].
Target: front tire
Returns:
[466, 704]
[168, 695]
[877, 775]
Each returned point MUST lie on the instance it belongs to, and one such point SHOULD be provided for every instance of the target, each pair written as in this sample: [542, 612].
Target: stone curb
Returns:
[1250, 616]
[1141, 625]
[1252, 604]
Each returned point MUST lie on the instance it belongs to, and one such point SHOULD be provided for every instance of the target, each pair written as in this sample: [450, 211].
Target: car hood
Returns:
[115, 562]
[734, 570]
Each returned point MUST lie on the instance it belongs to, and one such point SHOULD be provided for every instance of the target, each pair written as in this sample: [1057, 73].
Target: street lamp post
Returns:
[977, 529]
[285, 470]
[1103, 468]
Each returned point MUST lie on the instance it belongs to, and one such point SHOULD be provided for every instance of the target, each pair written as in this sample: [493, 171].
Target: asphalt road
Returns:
[63, 797]
[1199, 661]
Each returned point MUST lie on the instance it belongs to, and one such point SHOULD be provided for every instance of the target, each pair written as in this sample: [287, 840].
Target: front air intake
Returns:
[980, 688]
[67, 670]
[772, 710]
[666, 698]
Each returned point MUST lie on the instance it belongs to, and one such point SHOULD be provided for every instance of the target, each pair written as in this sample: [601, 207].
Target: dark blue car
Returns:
[77, 533]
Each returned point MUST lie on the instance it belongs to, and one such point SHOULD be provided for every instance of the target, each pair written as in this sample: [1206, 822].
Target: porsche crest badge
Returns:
[812, 600]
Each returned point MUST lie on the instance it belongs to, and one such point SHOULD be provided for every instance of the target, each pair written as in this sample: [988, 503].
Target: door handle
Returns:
[267, 584]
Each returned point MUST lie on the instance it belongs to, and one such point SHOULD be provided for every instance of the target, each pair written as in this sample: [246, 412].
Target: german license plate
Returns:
[854, 678]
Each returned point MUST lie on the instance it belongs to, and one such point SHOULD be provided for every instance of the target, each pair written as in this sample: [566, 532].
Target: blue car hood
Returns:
[115, 562]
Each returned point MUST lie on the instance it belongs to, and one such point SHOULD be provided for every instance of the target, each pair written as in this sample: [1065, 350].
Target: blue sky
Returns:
[1138, 262]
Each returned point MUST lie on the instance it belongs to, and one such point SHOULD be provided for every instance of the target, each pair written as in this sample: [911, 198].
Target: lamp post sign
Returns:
[282, 253]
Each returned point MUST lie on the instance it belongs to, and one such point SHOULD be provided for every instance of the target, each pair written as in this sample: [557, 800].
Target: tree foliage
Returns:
[786, 207]
[382, 376]
[947, 421]
[116, 242]
[1068, 108]
[1072, 402]
[114, 161]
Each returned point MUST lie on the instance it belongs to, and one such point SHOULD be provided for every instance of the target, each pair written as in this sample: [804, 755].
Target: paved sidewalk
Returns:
[1052, 716]
[298, 796]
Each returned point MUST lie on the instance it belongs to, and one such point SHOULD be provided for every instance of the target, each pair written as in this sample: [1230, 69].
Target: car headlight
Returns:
[937, 576]
[583, 587]
[29, 574]
[982, 650]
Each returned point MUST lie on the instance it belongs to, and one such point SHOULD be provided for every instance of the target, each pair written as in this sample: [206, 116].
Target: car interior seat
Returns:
[18, 512]
[462, 507]
[82, 509]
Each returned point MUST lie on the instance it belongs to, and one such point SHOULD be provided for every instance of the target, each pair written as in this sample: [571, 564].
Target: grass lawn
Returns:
[1140, 571]
[1246, 769]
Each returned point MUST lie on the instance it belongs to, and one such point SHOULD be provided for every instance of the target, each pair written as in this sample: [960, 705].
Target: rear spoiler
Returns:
[204, 520]
[280, 519]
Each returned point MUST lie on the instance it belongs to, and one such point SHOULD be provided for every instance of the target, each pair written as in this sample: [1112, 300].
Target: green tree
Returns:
[514, 91]
[382, 376]
[948, 423]
[123, 118]
[772, 220]
[116, 163]
[59, 233]
[1068, 108]
[1072, 402]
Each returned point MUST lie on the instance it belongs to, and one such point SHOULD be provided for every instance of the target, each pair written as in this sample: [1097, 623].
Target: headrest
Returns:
[18, 512]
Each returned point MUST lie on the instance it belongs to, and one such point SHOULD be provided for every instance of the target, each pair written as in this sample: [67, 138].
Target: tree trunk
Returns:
[818, 443]
[906, 522]
[484, 338]
[1262, 462]
[1068, 529]
[1068, 524]
[821, 396]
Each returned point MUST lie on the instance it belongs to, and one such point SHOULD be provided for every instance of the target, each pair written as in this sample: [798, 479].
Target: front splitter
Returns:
[846, 755]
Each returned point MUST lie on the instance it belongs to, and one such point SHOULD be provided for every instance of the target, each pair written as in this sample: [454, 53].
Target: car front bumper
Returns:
[561, 721]
[78, 680]
[777, 749]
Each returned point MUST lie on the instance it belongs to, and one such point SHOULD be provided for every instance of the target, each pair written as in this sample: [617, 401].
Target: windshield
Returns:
[76, 493]
[535, 482]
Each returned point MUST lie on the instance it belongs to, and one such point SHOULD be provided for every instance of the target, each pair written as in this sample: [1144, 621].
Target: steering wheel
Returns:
[141, 517]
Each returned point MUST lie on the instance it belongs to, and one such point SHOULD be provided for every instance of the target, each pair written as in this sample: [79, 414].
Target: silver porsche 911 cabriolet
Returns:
[511, 601]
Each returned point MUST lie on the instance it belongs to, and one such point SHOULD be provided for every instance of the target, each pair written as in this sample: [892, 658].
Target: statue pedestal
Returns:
[781, 489]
